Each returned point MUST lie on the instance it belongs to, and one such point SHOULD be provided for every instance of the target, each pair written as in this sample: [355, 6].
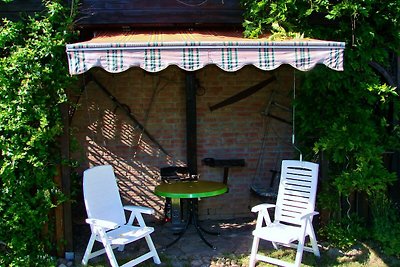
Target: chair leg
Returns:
[152, 248]
[314, 244]
[111, 256]
[299, 253]
[88, 250]
[108, 249]
[254, 249]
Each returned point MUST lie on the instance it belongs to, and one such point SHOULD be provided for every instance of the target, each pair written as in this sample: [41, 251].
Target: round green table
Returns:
[191, 190]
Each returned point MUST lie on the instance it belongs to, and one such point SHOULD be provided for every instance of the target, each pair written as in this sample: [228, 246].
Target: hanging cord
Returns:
[156, 90]
[348, 200]
[268, 127]
[146, 118]
[348, 213]
[192, 5]
[353, 20]
[293, 117]
[260, 168]
[72, 8]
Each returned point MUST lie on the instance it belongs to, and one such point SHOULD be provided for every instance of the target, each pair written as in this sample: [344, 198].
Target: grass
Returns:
[362, 256]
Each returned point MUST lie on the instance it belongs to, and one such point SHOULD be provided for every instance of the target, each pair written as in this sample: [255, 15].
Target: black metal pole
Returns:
[191, 123]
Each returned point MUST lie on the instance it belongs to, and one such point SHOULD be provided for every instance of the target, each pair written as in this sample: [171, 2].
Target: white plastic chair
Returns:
[294, 211]
[107, 218]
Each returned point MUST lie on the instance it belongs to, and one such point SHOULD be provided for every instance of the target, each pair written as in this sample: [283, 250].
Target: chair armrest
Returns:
[310, 214]
[144, 210]
[102, 223]
[262, 207]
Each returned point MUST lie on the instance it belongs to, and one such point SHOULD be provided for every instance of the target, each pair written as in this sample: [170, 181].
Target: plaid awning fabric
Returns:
[154, 51]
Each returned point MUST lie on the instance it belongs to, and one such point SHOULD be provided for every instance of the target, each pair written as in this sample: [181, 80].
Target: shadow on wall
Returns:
[108, 136]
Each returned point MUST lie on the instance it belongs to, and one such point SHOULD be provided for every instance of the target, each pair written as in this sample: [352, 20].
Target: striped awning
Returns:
[154, 51]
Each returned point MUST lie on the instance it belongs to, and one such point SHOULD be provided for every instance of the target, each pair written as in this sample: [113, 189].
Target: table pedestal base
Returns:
[192, 218]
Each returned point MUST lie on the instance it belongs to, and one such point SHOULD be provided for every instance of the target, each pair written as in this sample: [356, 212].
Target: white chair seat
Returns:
[127, 234]
[277, 232]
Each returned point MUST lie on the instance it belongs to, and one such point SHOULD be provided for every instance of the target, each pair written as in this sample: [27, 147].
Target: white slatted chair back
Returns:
[297, 190]
[101, 194]
[294, 212]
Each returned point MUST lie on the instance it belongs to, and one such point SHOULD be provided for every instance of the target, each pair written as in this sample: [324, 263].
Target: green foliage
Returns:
[271, 16]
[33, 76]
[345, 233]
[348, 117]
[386, 224]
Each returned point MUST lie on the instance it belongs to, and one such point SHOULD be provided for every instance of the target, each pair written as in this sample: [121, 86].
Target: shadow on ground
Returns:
[234, 238]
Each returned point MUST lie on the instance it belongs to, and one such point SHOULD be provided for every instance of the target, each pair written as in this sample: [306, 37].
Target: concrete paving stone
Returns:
[235, 238]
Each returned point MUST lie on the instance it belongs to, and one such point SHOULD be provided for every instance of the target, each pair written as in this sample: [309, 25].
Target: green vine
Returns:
[348, 117]
[33, 79]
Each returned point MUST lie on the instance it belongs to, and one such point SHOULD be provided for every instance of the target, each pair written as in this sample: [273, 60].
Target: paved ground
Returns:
[235, 238]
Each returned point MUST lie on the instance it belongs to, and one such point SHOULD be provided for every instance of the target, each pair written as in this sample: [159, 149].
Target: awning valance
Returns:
[154, 51]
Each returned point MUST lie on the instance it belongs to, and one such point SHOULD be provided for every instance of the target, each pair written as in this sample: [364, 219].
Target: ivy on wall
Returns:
[33, 79]
[348, 117]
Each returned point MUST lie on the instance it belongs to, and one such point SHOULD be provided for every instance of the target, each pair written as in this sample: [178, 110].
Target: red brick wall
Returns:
[105, 135]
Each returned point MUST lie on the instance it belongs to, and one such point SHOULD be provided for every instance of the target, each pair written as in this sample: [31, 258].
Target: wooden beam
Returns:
[191, 123]
[107, 13]
[66, 181]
